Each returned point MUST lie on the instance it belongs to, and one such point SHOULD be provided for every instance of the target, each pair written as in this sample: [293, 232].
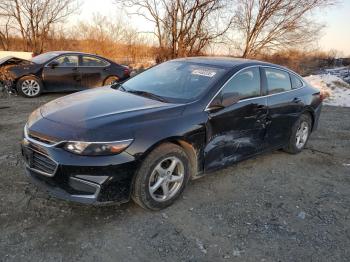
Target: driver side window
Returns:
[246, 84]
[67, 61]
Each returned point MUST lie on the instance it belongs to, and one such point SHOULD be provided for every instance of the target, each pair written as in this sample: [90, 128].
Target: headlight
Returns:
[97, 148]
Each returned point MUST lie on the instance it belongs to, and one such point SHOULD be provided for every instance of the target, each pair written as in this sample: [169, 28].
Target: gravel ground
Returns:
[275, 207]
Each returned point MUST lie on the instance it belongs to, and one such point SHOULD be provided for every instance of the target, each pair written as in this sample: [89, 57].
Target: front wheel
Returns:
[29, 86]
[162, 177]
[300, 135]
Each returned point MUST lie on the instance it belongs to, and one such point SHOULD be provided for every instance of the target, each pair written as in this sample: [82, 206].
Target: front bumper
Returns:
[83, 179]
[56, 191]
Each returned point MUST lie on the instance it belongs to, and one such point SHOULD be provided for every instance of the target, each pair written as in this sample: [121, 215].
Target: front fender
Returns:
[189, 128]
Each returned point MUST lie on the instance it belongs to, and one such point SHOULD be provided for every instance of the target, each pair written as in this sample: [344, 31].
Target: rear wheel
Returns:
[300, 135]
[29, 86]
[111, 80]
[162, 177]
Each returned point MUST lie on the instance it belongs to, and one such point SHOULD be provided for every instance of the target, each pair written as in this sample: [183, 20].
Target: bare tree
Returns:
[111, 36]
[102, 28]
[266, 25]
[33, 19]
[182, 27]
[5, 33]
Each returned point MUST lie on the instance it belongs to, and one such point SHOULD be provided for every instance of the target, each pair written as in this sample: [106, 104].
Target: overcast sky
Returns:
[336, 35]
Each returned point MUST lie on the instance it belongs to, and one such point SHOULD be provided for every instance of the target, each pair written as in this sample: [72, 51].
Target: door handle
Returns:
[261, 107]
[296, 100]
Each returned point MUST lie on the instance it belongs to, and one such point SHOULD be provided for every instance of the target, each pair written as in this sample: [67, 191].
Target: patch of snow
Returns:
[336, 90]
[339, 71]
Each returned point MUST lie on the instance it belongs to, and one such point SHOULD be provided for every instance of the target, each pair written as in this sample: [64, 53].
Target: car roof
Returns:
[227, 62]
[70, 52]
[58, 53]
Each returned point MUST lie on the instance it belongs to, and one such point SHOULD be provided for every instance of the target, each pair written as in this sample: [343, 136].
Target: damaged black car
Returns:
[145, 138]
[59, 71]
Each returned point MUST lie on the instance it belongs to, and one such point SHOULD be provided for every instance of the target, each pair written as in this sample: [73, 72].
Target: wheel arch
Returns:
[311, 113]
[185, 144]
[108, 76]
[18, 78]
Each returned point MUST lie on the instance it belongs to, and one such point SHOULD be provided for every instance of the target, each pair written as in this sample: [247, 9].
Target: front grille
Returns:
[39, 162]
[43, 163]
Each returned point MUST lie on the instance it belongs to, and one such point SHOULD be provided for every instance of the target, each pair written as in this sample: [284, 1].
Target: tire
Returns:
[29, 86]
[295, 144]
[110, 80]
[148, 177]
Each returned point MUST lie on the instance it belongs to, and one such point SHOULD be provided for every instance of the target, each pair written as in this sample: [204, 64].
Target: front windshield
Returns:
[175, 81]
[43, 58]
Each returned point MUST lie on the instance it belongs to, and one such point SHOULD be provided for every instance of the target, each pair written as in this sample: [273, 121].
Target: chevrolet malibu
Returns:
[59, 71]
[145, 138]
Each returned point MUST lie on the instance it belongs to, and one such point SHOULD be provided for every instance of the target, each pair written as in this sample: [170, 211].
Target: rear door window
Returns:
[296, 82]
[277, 81]
[90, 61]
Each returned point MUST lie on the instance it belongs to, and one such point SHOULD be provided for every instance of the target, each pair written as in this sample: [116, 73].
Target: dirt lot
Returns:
[276, 207]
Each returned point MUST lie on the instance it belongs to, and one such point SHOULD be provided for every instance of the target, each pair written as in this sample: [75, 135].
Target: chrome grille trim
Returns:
[34, 141]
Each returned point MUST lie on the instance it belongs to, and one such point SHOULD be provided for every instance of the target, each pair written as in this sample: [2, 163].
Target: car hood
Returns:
[89, 114]
[12, 60]
[12, 68]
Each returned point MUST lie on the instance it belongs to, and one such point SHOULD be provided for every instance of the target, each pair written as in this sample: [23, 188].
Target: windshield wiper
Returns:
[147, 94]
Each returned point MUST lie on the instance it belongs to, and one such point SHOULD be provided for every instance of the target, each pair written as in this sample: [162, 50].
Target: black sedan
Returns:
[60, 71]
[145, 138]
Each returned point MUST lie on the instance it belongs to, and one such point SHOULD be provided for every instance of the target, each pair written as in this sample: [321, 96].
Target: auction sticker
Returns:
[204, 72]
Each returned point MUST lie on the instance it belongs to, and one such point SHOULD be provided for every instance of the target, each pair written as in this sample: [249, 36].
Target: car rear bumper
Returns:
[317, 114]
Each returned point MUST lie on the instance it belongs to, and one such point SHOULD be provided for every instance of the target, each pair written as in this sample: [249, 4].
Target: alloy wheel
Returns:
[30, 87]
[166, 179]
[302, 134]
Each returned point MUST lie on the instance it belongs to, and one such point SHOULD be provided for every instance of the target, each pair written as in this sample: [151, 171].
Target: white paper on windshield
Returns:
[204, 72]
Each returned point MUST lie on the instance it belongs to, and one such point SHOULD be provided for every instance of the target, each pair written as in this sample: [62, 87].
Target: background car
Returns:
[60, 71]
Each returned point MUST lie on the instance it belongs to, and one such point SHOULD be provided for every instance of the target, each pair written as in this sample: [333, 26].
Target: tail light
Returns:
[126, 72]
[322, 96]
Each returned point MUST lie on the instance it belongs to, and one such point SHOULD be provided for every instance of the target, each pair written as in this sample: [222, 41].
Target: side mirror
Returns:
[215, 105]
[222, 101]
[53, 64]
